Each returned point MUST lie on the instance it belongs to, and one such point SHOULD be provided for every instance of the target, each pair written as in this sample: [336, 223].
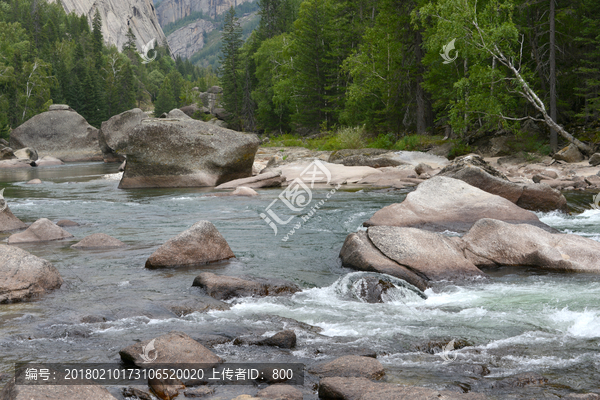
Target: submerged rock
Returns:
[48, 161]
[98, 241]
[269, 179]
[42, 230]
[227, 287]
[61, 133]
[200, 244]
[443, 203]
[185, 153]
[172, 348]
[66, 222]
[24, 276]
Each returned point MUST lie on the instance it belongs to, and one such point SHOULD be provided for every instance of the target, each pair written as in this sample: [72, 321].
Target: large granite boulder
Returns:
[185, 153]
[491, 243]
[200, 244]
[115, 133]
[570, 154]
[476, 172]
[24, 276]
[431, 255]
[442, 203]
[42, 230]
[359, 253]
[61, 133]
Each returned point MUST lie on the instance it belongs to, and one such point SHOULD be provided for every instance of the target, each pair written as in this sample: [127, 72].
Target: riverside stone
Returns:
[174, 347]
[48, 161]
[443, 203]
[570, 154]
[54, 392]
[473, 170]
[595, 159]
[24, 276]
[185, 153]
[59, 133]
[42, 230]
[114, 133]
[8, 221]
[200, 244]
[227, 287]
[268, 179]
[280, 392]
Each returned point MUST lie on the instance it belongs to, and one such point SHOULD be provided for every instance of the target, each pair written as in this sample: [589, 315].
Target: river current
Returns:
[518, 321]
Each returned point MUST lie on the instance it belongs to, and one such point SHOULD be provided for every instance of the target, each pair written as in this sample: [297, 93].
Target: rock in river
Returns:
[54, 392]
[200, 244]
[350, 366]
[442, 203]
[491, 243]
[98, 241]
[61, 133]
[8, 221]
[42, 230]
[174, 347]
[227, 287]
[23, 275]
[115, 133]
[185, 153]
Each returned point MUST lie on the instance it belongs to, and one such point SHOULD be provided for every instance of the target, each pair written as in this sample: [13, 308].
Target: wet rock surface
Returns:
[98, 241]
[42, 230]
[227, 287]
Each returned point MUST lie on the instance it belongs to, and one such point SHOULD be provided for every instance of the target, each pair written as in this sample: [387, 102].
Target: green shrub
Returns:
[352, 137]
[383, 141]
[460, 149]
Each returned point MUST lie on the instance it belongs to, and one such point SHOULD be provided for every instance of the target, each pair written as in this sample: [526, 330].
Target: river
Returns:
[518, 321]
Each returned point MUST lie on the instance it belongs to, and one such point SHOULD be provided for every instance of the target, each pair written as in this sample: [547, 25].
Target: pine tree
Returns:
[130, 47]
[230, 68]
[165, 101]
[97, 39]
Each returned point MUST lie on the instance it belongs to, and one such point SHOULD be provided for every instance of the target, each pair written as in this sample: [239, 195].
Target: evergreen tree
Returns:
[230, 68]
[97, 39]
[130, 47]
[165, 101]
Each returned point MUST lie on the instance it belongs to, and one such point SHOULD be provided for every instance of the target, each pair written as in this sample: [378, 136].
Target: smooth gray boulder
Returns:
[61, 133]
[443, 203]
[42, 230]
[115, 133]
[27, 153]
[570, 154]
[429, 254]
[473, 170]
[491, 243]
[185, 153]
[177, 114]
[350, 366]
[359, 253]
[24, 276]
[200, 244]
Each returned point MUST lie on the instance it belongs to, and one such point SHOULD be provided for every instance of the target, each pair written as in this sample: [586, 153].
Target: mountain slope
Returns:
[170, 11]
[118, 16]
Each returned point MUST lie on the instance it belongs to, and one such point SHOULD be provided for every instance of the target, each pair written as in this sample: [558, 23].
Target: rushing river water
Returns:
[519, 321]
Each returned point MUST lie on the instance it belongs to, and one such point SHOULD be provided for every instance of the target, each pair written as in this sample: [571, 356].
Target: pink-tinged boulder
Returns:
[8, 221]
[42, 230]
[359, 253]
[24, 276]
[431, 255]
[491, 243]
[200, 244]
[443, 203]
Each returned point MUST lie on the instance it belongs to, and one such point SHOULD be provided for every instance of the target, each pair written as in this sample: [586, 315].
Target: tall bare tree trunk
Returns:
[553, 133]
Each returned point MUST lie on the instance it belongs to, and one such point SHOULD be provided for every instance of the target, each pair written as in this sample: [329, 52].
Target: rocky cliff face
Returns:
[173, 10]
[188, 40]
[118, 16]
